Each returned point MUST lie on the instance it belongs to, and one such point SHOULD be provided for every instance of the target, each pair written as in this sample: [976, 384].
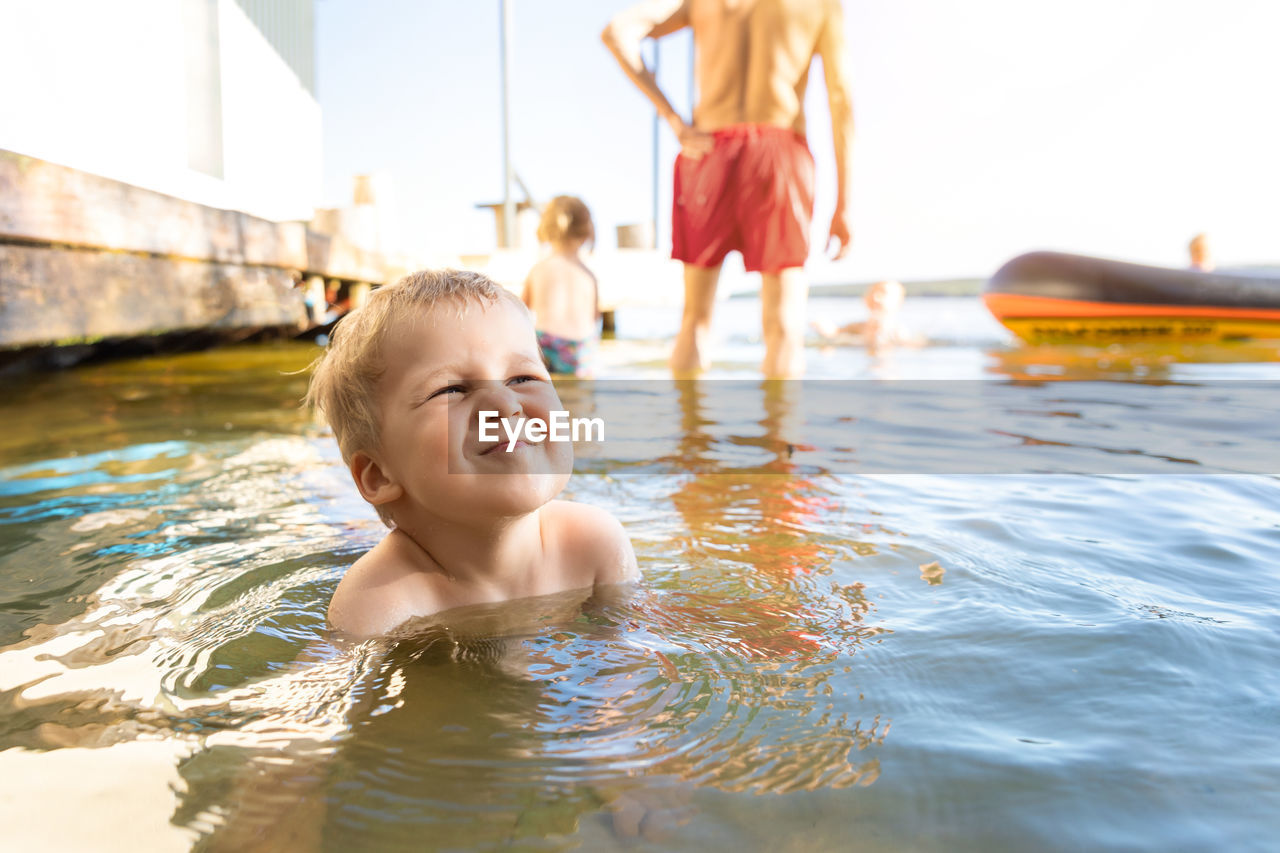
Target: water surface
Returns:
[814, 659]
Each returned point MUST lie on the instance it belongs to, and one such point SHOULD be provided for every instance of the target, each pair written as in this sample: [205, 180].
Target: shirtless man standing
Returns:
[744, 177]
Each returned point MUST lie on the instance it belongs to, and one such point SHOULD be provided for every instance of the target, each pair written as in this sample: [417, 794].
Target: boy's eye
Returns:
[448, 389]
[522, 379]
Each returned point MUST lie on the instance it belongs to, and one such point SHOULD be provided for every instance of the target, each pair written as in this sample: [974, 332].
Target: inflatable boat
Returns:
[1048, 297]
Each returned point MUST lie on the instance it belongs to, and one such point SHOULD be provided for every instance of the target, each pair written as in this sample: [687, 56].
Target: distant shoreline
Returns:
[940, 287]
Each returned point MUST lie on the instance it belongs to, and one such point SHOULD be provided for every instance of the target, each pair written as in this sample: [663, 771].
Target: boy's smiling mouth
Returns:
[505, 446]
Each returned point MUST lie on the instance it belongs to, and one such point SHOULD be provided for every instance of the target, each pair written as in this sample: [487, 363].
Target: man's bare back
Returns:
[753, 60]
[753, 57]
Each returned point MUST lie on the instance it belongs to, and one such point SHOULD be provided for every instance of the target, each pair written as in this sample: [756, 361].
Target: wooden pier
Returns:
[86, 261]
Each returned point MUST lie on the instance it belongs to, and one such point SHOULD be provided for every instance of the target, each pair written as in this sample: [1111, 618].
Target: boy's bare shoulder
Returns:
[379, 592]
[591, 537]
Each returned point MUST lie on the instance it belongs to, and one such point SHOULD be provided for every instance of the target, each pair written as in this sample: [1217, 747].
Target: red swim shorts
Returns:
[753, 192]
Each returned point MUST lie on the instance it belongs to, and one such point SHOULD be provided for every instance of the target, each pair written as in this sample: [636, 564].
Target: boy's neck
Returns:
[499, 555]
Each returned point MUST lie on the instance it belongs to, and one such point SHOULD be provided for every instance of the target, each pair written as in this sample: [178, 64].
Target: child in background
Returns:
[882, 328]
[1198, 249]
[561, 292]
[402, 384]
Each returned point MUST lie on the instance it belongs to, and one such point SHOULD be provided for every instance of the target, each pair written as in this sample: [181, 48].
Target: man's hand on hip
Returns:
[694, 143]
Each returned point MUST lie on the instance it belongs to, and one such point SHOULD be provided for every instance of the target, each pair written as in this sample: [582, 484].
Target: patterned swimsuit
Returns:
[566, 356]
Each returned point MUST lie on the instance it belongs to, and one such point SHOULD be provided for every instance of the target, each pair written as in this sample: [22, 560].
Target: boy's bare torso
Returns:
[753, 59]
[398, 581]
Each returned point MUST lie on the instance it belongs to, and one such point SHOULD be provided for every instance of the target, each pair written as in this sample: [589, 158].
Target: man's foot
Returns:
[688, 359]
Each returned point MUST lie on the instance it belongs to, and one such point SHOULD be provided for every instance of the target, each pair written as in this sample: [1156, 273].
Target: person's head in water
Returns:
[567, 221]
[884, 298]
[1198, 249]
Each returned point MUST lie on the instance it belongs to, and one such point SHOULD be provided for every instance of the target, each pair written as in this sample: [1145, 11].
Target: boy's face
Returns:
[443, 368]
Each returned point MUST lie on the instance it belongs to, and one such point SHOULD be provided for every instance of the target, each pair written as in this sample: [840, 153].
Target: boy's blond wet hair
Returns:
[566, 217]
[345, 379]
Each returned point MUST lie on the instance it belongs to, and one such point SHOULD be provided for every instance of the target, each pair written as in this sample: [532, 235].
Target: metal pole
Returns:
[657, 138]
[508, 204]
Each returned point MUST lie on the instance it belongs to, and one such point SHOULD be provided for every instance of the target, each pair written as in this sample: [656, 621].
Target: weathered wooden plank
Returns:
[56, 296]
[45, 202]
[279, 244]
[335, 257]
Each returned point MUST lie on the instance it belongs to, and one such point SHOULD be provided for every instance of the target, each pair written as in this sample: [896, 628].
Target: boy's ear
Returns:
[373, 483]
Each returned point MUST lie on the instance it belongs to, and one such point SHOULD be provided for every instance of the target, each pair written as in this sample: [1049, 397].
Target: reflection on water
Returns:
[812, 660]
[1025, 426]
[1137, 361]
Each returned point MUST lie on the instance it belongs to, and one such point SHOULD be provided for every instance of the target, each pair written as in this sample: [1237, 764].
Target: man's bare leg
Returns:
[690, 353]
[782, 298]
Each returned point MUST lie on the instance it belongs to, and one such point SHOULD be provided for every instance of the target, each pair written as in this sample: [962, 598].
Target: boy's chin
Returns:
[506, 496]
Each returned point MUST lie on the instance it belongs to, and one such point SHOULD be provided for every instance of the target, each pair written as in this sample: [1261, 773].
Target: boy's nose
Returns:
[498, 396]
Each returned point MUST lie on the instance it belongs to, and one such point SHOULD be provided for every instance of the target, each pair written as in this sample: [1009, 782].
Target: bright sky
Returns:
[984, 129]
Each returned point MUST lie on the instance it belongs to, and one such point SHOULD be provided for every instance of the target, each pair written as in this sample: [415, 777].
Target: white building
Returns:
[212, 101]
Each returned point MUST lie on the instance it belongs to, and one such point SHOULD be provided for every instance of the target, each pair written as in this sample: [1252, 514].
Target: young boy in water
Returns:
[402, 384]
